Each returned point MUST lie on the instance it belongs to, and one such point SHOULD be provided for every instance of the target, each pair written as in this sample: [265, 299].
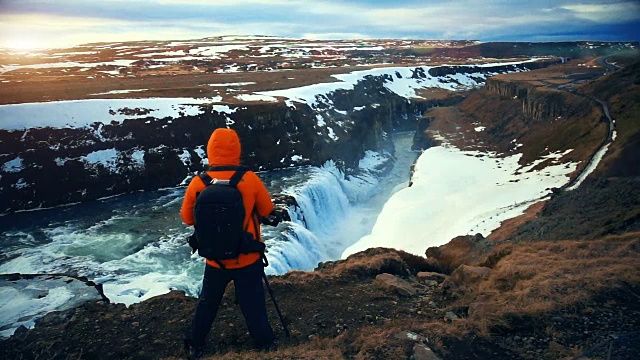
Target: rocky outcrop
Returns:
[450, 70]
[421, 140]
[467, 249]
[540, 104]
[394, 284]
[282, 203]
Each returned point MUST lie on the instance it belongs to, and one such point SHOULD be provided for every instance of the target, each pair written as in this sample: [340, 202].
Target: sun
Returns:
[22, 44]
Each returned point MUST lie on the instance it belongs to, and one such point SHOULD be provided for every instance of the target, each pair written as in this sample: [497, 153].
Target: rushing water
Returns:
[135, 244]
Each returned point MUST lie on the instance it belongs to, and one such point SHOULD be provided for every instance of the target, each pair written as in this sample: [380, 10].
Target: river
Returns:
[135, 244]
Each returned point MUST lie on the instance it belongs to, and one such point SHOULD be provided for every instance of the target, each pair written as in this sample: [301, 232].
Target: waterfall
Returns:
[323, 224]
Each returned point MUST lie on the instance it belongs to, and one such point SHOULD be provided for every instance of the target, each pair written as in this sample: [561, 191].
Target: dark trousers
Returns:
[250, 295]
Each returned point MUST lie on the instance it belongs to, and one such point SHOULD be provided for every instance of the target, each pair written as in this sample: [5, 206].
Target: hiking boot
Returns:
[266, 347]
[193, 352]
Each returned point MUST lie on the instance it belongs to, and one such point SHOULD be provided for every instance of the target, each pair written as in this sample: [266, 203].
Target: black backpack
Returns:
[219, 216]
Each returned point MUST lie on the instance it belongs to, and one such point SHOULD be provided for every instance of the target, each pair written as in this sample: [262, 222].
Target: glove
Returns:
[193, 242]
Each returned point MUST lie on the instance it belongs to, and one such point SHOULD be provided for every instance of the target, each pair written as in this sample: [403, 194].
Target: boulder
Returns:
[423, 352]
[468, 249]
[395, 284]
[477, 310]
[450, 316]
[280, 212]
[408, 335]
[424, 276]
[466, 275]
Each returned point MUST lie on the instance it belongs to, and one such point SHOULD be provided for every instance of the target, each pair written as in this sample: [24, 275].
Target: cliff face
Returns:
[449, 70]
[45, 167]
[536, 119]
[540, 104]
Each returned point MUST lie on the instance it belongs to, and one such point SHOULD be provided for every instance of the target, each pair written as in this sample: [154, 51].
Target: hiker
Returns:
[246, 271]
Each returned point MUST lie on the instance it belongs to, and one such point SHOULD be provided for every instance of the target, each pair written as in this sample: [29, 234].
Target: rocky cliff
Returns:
[50, 166]
[540, 104]
[544, 110]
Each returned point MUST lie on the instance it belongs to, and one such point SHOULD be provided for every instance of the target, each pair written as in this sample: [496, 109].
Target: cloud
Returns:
[606, 13]
[425, 19]
[229, 2]
[334, 36]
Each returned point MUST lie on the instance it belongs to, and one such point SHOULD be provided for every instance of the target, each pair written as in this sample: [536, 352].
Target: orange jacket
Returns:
[224, 148]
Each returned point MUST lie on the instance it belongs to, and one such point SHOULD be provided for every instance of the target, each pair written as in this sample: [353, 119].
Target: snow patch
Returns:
[107, 158]
[13, 166]
[591, 167]
[255, 97]
[82, 113]
[138, 158]
[457, 192]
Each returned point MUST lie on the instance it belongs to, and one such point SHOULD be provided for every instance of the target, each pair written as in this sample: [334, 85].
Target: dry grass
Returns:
[434, 93]
[533, 278]
[378, 343]
[509, 226]
[316, 349]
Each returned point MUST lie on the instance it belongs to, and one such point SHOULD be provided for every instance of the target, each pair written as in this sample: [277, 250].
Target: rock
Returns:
[394, 283]
[467, 249]
[477, 310]
[425, 276]
[450, 316]
[466, 275]
[54, 318]
[423, 352]
[280, 212]
[20, 331]
[408, 335]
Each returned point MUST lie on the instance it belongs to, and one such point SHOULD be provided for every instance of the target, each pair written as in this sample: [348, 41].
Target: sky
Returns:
[28, 24]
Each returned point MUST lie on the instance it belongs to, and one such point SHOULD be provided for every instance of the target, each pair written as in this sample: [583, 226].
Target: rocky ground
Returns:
[379, 304]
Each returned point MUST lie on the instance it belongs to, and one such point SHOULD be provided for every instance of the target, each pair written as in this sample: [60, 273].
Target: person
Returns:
[223, 149]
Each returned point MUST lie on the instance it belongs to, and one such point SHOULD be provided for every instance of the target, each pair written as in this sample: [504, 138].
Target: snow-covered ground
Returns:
[82, 113]
[400, 80]
[457, 192]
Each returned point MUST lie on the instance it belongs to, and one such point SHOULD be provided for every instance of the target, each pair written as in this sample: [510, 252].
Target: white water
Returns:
[135, 245]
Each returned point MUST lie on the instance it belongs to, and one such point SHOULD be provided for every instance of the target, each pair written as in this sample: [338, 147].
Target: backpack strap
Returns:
[227, 168]
[206, 179]
[233, 181]
[236, 177]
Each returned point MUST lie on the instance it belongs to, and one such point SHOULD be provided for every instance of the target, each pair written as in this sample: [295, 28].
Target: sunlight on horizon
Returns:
[22, 44]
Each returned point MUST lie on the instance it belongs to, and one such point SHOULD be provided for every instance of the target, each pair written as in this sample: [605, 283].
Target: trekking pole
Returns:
[275, 303]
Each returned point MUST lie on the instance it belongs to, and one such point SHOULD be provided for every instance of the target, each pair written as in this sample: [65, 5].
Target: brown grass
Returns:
[434, 93]
[508, 227]
[318, 348]
[533, 278]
